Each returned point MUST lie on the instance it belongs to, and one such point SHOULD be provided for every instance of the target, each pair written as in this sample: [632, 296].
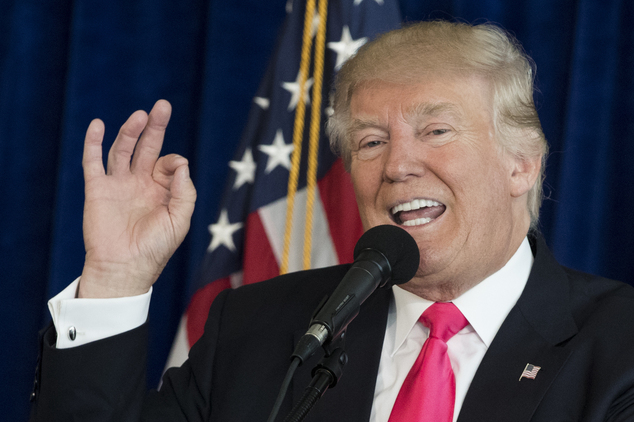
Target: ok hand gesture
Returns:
[137, 211]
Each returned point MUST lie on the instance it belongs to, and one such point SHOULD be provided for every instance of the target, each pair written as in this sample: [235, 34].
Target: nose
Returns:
[403, 160]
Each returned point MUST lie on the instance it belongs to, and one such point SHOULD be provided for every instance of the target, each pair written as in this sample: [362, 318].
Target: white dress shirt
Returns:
[485, 306]
[94, 319]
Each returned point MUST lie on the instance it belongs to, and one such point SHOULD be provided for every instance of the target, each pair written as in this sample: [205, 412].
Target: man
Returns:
[437, 127]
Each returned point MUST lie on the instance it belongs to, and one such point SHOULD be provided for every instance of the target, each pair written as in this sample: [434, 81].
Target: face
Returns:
[425, 158]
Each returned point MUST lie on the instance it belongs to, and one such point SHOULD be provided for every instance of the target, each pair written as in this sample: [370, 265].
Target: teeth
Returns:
[417, 222]
[414, 205]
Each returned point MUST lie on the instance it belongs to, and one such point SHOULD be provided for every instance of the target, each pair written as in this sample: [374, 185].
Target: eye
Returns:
[369, 141]
[369, 147]
[437, 134]
[370, 144]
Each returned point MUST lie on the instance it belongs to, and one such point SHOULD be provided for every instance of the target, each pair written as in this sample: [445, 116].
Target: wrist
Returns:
[112, 280]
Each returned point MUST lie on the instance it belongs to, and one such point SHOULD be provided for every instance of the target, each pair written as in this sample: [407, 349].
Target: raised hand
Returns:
[138, 211]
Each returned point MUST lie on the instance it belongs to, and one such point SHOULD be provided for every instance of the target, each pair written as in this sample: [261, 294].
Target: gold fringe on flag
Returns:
[298, 131]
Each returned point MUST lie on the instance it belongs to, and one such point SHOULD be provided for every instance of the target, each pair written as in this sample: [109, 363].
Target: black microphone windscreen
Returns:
[398, 246]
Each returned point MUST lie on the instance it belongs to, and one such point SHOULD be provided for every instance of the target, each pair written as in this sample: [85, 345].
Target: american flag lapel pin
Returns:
[530, 371]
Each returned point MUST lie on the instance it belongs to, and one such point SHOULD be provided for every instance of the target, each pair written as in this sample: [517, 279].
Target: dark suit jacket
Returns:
[578, 328]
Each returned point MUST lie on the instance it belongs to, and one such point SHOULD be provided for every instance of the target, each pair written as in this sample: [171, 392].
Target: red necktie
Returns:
[428, 393]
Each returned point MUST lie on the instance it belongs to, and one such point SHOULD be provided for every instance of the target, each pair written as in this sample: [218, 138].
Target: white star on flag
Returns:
[245, 169]
[293, 88]
[222, 232]
[262, 102]
[279, 153]
[346, 47]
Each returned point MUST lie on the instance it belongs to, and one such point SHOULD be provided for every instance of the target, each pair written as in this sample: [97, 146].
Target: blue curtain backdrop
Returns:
[66, 62]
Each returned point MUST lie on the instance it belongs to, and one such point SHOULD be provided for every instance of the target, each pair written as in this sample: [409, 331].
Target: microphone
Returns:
[384, 256]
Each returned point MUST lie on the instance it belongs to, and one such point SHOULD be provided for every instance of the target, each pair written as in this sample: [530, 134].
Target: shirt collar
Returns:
[485, 305]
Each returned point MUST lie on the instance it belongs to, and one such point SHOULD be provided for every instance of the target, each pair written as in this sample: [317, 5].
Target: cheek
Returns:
[366, 186]
[488, 193]
[365, 178]
[476, 179]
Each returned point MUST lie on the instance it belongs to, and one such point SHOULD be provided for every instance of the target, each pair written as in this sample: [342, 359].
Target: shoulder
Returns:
[600, 303]
[598, 287]
[288, 299]
[580, 293]
[295, 284]
[561, 301]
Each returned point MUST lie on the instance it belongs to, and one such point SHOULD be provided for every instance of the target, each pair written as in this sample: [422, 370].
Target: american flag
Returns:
[530, 371]
[248, 237]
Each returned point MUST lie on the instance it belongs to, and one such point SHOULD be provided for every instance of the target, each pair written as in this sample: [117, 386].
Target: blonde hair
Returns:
[485, 50]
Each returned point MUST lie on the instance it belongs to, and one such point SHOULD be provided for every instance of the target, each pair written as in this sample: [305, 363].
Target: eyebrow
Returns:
[360, 124]
[415, 112]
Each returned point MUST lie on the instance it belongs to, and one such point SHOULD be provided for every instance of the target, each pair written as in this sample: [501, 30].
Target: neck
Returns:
[446, 287]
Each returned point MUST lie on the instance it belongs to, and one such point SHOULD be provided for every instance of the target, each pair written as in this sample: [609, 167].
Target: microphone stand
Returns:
[326, 374]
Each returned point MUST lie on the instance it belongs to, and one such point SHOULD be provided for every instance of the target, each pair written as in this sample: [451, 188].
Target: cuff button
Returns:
[72, 333]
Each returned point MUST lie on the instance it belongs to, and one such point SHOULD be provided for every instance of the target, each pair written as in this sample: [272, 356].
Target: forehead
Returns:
[461, 100]
[430, 95]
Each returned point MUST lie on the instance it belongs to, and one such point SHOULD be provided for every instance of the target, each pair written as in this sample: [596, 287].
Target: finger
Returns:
[165, 169]
[182, 201]
[149, 146]
[92, 161]
[172, 172]
[123, 146]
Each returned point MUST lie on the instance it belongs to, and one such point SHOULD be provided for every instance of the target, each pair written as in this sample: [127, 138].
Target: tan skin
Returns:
[137, 211]
[436, 141]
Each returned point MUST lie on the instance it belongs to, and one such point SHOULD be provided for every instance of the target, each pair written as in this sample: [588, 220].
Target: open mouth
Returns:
[417, 212]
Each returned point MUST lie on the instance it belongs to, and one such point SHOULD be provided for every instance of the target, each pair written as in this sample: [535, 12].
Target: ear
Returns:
[524, 173]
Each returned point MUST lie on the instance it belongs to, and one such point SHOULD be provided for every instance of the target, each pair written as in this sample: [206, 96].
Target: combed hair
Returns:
[485, 50]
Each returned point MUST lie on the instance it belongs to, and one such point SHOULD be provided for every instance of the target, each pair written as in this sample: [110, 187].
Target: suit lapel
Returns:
[351, 399]
[496, 392]
[532, 333]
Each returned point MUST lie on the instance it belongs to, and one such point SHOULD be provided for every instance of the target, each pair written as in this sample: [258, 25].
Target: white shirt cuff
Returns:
[80, 321]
